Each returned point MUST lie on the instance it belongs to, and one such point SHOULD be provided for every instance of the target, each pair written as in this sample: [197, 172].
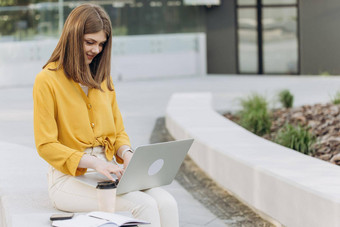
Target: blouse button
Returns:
[89, 106]
[92, 125]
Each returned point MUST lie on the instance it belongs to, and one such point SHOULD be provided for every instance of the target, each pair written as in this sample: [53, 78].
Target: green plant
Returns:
[286, 98]
[254, 115]
[297, 138]
[325, 73]
[336, 98]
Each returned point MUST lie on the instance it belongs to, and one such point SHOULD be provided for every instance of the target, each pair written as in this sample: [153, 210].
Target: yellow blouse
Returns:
[67, 121]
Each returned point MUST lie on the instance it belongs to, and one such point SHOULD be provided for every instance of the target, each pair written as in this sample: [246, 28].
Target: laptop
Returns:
[151, 166]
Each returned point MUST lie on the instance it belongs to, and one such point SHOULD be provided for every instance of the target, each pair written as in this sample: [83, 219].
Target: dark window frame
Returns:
[259, 8]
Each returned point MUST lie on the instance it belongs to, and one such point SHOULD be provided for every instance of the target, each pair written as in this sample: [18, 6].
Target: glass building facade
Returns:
[34, 19]
[266, 31]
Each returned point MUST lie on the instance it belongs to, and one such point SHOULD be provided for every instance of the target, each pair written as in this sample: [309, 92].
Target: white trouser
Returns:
[154, 205]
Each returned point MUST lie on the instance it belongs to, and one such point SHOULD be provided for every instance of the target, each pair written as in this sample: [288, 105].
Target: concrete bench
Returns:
[285, 186]
[24, 197]
[23, 188]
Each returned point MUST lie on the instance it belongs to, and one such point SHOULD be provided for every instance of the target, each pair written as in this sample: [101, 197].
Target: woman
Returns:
[78, 125]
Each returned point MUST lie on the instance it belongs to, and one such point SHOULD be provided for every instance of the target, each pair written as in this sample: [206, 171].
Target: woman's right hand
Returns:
[102, 167]
[107, 168]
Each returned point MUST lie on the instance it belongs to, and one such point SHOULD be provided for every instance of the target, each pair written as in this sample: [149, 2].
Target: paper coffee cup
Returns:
[106, 193]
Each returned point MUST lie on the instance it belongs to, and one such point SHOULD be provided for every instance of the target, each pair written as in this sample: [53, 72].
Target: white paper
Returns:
[98, 218]
[80, 221]
[116, 218]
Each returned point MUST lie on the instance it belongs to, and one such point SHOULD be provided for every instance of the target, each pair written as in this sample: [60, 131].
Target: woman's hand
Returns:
[107, 168]
[102, 167]
[127, 157]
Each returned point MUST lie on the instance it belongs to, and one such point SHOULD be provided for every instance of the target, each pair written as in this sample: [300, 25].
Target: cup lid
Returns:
[106, 185]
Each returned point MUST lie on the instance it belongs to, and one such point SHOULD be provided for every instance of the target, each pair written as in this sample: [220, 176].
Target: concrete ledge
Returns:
[287, 186]
[23, 188]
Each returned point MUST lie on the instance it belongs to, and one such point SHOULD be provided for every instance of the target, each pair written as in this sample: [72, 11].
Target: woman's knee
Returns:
[164, 199]
[149, 204]
[137, 202]
[167, 206]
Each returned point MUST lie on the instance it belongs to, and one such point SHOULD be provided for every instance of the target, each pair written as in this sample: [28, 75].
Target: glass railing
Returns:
[34, 19]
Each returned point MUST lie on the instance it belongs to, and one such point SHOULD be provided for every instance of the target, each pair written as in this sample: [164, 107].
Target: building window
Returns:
[267, 36]
[247, 40]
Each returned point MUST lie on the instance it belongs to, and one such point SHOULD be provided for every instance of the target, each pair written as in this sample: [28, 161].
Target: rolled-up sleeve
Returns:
[61, 157]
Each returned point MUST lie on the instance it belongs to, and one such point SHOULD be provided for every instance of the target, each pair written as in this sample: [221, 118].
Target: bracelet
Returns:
[125, 150]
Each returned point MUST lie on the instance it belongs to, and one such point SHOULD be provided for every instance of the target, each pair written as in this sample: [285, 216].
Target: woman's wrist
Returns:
[123, 150]
[126, 152]
[127, 155]
[89, 161]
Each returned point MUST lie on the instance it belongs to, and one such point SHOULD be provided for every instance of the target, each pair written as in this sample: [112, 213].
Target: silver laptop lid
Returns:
[151, 166]
[154, 165]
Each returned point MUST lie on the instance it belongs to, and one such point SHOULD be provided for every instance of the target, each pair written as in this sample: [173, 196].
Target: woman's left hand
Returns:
[124, 153]
[127, 157]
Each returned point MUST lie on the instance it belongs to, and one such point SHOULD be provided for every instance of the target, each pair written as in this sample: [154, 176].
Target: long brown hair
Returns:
[69, 52]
